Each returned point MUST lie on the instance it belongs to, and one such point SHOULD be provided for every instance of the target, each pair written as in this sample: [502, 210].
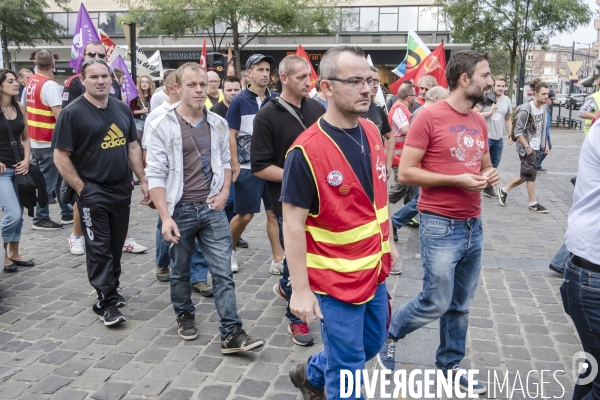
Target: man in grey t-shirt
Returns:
[497, 116]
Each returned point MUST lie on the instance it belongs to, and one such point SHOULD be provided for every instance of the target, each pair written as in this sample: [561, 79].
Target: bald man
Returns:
[214, 94]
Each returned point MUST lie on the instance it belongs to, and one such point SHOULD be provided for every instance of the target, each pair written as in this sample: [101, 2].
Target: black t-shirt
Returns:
[106, 131]
[17, 125]
[220, 109]
[74, 88]
[299, 187]
[377, 115]
[275, 130]
[213, 100]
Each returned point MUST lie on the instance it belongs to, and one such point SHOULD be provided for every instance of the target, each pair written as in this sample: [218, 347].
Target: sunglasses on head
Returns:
[89, 62]
[93, 54]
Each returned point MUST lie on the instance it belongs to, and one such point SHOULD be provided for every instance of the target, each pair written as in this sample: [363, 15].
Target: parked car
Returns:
[577, 100]
[560, 100]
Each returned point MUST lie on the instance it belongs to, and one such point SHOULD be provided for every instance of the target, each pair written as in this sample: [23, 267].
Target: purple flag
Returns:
[85, 32]
[128, 84]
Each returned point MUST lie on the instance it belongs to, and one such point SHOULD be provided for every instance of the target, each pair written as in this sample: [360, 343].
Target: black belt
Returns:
[585, 264]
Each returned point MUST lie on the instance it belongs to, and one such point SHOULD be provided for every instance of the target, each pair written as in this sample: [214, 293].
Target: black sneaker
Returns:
[240, 341]
[542, 170]
[47, 225]
[502, 196]
[98, 309]
[187, 326]
[395, 233]
[120, 300]
[66, 220]
[538, 208]
[298, 378]
[242, 244]
[203, 288]
[490, 192]
[163, 274]
[112, 315]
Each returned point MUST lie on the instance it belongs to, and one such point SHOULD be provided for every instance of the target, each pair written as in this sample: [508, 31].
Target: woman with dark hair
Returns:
[12, 219]
[140, 106]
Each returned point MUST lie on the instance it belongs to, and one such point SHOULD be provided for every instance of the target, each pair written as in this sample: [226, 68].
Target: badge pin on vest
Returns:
[335, 178]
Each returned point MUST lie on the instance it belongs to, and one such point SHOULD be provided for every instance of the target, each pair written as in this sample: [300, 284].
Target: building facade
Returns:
[379, 27]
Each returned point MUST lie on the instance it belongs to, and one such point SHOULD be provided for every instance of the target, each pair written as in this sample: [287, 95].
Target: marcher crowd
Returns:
[206, 152]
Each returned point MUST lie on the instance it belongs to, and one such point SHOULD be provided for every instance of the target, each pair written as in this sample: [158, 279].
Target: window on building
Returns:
[350, 18]
[529, 57]
[63, 19]
[564, 57]
[549, 70]
[428, 18]
[550, 57]
[369, 19]
[408, 18]
[388, 19]
[72, 23]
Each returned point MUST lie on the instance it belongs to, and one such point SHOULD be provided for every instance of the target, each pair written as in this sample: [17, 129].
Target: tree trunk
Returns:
[236, 46]
[4, 48]
[513, 61]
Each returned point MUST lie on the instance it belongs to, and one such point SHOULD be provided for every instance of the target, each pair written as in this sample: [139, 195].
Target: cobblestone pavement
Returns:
[53, 346]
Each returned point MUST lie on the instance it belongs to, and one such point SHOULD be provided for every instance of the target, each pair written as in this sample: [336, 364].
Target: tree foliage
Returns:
[24, 22]
[258, 17]
[499, 25]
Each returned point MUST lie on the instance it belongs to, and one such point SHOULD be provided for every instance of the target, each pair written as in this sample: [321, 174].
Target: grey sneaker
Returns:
[276, 268]
[187, 326]
[490, 192]
[240, 341]
[47, 225]
[538, 208]
[397, 269]
[203, 288]
[502, 196]
[163, 274]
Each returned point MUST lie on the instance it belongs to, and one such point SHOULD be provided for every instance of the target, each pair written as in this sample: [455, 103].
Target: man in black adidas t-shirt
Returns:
[95, 142]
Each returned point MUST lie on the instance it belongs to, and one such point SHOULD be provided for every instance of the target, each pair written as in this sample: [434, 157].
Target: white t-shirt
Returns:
[158, 98]
[51, 95]
[538, 118]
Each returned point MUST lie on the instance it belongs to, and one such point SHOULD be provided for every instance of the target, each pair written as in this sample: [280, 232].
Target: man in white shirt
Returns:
[160, 95]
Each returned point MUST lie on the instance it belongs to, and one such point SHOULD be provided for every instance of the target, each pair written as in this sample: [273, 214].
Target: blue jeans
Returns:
[199, 266]
[352, 335]
[580, 292]
[541, 153]
[12, 218]
[451, 251]
[495, 151]
[560, 258]
[45, 161]
[284, 282]
[404, 215]
[211, 230]
[230, 203]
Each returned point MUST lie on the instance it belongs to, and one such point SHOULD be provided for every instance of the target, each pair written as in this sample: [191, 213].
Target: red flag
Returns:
[434, 64]
[230, 62]
[313, 75]
[203, 56]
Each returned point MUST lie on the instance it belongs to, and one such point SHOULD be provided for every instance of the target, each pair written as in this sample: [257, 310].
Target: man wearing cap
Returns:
[249, 189]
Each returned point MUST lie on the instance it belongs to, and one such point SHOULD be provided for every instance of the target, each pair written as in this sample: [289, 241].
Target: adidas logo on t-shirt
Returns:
[115, 138]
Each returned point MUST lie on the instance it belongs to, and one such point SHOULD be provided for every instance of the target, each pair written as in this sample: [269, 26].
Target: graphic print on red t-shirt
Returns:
[454, 144]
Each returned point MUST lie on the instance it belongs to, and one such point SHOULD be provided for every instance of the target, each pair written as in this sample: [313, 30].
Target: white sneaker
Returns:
[76, 245]
[131, 246]
[234, 265]
[276, 268]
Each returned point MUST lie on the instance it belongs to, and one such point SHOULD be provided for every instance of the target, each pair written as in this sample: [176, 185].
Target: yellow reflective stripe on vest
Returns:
[385, 247]
[350, 236]
[382, 214]
[37, 111]
[342, 265]
[40, 124]
[587, 123]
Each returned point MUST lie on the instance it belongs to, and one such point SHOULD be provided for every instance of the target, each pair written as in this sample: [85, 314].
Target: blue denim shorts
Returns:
[249, 189]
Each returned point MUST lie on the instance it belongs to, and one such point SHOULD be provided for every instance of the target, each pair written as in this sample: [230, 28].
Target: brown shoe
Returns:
[298, 378]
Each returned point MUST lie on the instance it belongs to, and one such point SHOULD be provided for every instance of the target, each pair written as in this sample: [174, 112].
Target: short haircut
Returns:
[243, 74]
[166, 73]
[231, 79]
[188, 65]
[373, 69]
[287, 66]
[436, 92]
[91, 61]
[537, 84]
[463, 62]
[23, 71]
[328, 66]
[44, 59]
[499, 78]
[169, 77]
[94, 43]
[118, 72]
[405, 90]
[427, 80]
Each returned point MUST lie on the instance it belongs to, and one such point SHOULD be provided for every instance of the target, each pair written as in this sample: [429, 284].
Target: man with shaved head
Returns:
[214, 95]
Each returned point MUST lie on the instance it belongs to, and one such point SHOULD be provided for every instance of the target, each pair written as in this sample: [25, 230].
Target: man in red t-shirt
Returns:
[446, 154]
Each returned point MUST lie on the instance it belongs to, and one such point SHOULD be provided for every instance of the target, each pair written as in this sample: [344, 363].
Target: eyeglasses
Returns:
[214, 82]
[90, 61]
[423, 89]
[93, 54]
[356, 83]
[376, 82]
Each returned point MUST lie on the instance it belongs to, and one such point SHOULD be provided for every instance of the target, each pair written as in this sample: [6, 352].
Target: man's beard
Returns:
[475, 94]
[196, 106]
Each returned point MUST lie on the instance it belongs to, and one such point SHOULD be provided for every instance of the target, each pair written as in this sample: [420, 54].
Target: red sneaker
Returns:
[279, 292]
[301, 334]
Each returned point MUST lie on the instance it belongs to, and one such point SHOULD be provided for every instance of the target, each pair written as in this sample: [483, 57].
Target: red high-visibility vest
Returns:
[40, 119]
[348, 250]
